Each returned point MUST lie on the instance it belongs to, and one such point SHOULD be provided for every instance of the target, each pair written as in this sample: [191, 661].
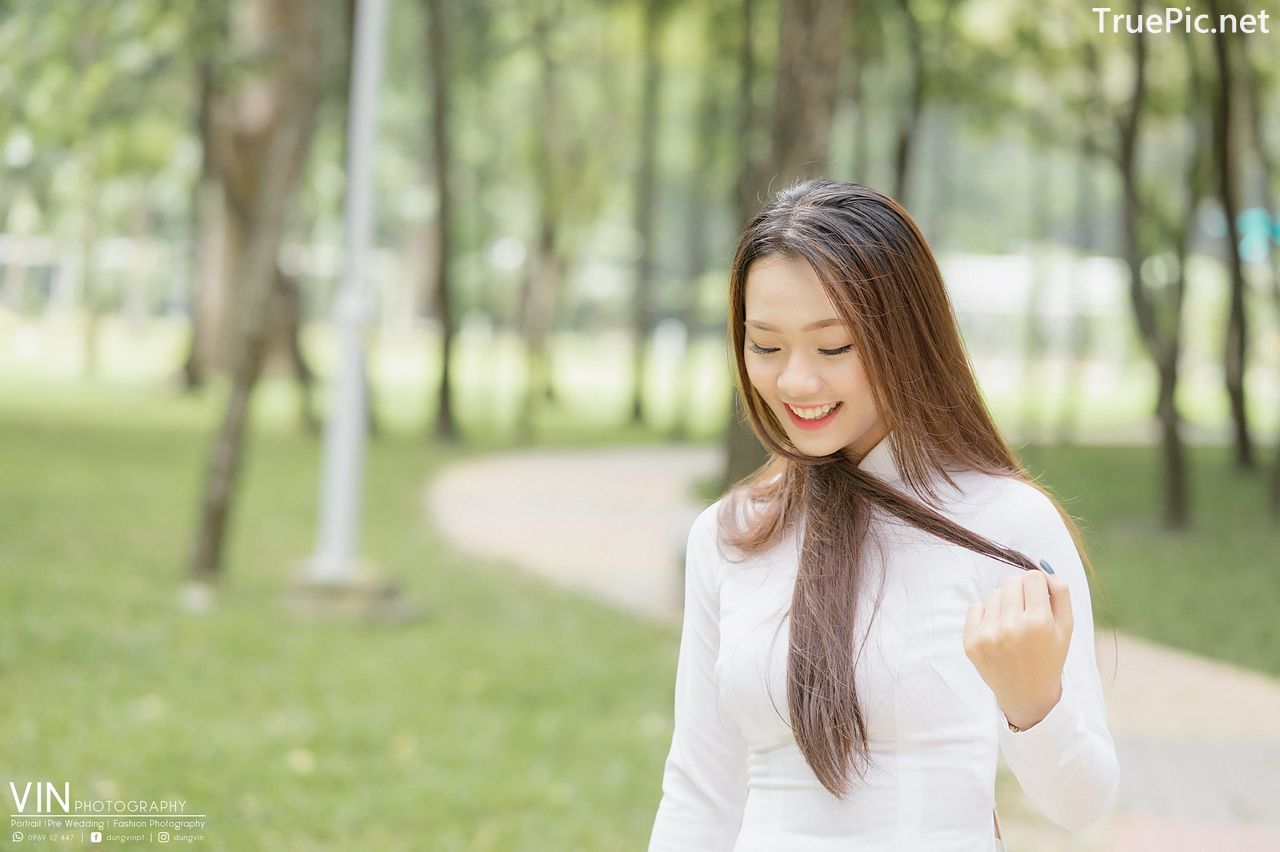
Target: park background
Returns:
[557, 186]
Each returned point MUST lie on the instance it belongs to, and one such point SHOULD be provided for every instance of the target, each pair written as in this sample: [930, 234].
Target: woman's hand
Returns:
[1018, 643]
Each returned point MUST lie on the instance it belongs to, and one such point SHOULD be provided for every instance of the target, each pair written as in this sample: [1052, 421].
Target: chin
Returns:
[811, 447]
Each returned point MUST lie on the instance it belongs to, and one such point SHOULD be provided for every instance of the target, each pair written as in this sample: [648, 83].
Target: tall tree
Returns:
[544, 276]
[1157, 212]
[1225, 157]
[863, 35]
[744, 453]
[204, 207]
[229, 132]
[747, 189]
[710, 111]
[805, 93]
[1162, 340]
[803, 105]
[645, 194]
[1255, 87]
[909, 121]
[263, 156]
[438, 72]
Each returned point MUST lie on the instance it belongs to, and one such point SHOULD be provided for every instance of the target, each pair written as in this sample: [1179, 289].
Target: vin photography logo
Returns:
[43, 811]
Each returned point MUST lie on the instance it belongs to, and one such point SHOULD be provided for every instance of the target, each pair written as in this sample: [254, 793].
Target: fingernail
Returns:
[1044, 563]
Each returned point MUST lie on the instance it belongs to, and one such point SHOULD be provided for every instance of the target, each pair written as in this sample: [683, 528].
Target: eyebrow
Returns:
[810, 327]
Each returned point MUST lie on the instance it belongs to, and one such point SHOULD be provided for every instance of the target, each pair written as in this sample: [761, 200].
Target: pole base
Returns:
[361, 595]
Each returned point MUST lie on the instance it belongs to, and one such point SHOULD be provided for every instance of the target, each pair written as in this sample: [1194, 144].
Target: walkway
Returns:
[1198, 740]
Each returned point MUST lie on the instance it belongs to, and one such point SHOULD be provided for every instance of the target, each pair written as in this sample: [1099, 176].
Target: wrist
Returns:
[1027, 715]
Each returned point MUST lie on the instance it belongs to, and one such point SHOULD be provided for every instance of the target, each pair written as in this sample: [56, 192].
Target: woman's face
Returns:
[806, 359]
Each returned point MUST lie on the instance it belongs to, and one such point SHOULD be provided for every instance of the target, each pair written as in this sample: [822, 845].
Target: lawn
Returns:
[1215, 589]
[513, 716]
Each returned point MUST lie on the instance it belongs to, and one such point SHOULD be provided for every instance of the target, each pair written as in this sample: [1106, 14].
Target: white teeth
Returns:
[813, 413]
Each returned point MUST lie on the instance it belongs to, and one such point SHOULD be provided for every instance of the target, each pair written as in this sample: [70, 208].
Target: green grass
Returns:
[513, 716]
[1212, 589]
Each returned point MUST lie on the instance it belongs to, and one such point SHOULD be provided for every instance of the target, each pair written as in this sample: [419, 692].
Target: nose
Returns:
[798, 379]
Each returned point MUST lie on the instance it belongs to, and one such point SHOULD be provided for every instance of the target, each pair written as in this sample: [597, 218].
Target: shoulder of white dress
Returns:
[1008, 502]
[1028, 510]
[1030, 496]
[706, 520]
[972, 488]
[705, 529]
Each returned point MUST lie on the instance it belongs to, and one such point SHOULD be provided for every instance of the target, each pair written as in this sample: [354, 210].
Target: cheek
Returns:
[757, 375]
[861, 390]
[857, 382]
[864, 408]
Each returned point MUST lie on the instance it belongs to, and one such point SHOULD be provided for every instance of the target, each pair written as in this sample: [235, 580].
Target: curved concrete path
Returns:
[1198, 740]
[611, 524]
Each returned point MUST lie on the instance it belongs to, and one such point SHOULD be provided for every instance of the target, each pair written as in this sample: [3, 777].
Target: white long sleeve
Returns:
[735, 779]
[704, 782]
[1066, 763]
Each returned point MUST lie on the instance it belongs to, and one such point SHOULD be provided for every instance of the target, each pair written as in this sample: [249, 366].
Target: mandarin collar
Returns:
[881, 462]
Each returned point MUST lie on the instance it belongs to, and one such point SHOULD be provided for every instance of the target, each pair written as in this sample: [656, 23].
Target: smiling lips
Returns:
[826, 413]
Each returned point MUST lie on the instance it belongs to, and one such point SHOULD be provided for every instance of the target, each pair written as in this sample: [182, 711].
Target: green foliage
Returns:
[98, 127]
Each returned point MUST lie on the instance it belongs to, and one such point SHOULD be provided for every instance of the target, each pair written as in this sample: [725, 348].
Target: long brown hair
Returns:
[878, 271]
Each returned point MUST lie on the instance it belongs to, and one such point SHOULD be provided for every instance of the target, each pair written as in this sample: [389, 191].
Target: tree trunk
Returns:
[1163, 355]
[544, 278]
[537, 312]
[438, 69]
[1267, 166]
[204, 209]
[862, 124]
[909, 124]
[642, 308]
[744, 453]
[89, 283]
[1177, 500]
[286, 317]
[804, 102]
[1236, 342]
[270, 156]
[137, 295]
[750, 168]
[805, 94]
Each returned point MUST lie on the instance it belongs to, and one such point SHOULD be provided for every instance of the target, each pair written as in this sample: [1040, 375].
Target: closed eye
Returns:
[830, 352]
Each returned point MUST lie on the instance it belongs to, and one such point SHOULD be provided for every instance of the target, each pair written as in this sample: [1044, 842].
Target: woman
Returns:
[921, 638]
